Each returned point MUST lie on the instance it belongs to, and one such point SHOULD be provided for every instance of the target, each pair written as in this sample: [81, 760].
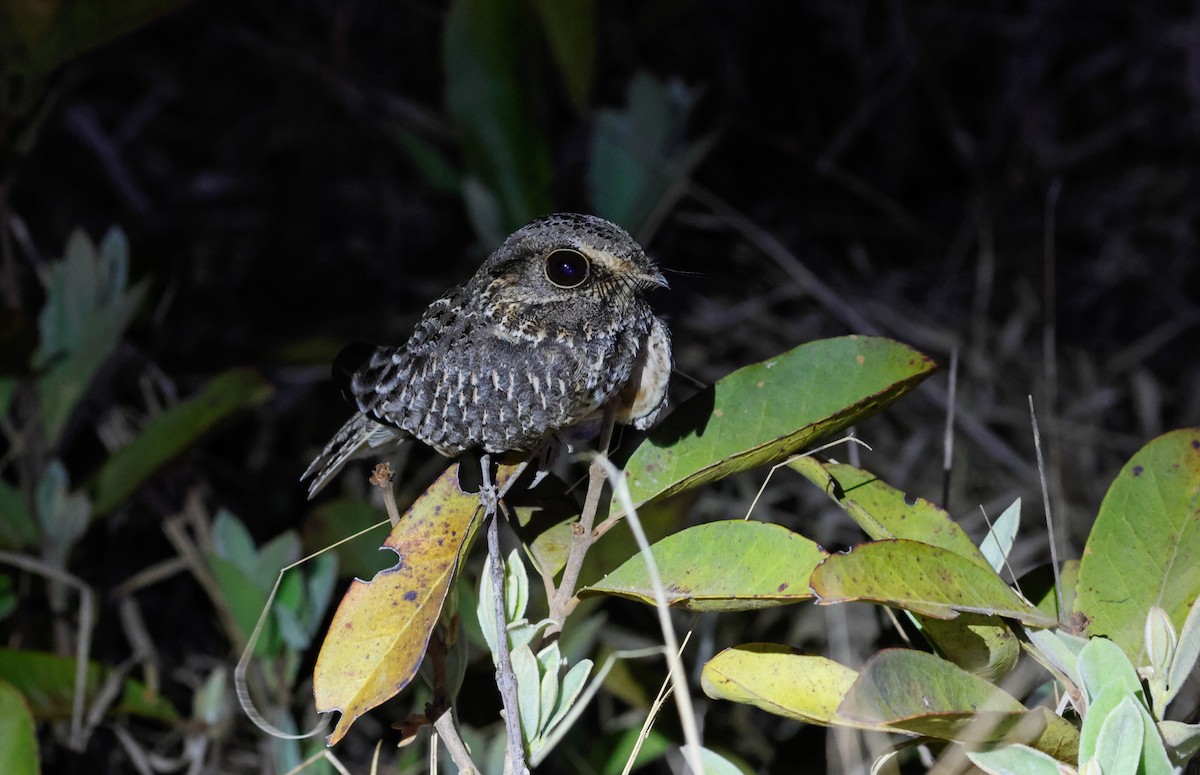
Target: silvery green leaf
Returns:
[485, 610]
[525, 666]
[1183, 740]
[516, 587]
[1015, 760]
[1101, 664]
[1061, 651]
[550, 661]
[275, 555]
[714, 763]
[232, 541]
[999, 541]
[1119, 745]
[569, 690]
[1160, 651]
[62, 516]
[1187, 650]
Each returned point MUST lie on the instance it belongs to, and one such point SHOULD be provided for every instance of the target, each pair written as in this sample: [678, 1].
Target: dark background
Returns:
[1013, 181]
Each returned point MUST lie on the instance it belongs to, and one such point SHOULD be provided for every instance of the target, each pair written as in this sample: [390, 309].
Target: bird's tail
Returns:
[357, 437]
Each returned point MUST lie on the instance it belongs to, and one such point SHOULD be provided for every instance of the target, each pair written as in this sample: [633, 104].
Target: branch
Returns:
[582, 533]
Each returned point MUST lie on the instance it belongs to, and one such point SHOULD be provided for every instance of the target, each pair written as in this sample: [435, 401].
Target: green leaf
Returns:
[1144, 548]
[1101, 665]
[18, 736]
[529, 689]
[428, 159]
[62, 515]
[920, 578]
[777, 680]
[734, 565]
[17, 528]
[549, 661]
[1153, 759]
[85, 313]
[245, 600]
[763, 413]
[1015, 759]
[974, 642]
[47, 682]
[516, 587]
[1161, 642]
[638, 154]
[1119, 746]
[488, 47]
[891, 513]
[173, 431]
[714, 763]
[232, 541]
[920, 693]
[999, 540]
[570, 28]
[570, 689]
[1187, 651]
[1182, 739]
[1059, 651]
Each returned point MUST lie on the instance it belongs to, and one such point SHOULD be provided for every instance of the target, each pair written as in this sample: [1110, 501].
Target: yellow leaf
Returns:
[379, 634]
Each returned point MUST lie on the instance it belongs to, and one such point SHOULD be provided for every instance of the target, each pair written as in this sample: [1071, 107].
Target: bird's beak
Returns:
[653, 279]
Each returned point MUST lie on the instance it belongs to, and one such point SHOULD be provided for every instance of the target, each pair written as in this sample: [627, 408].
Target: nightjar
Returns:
[552, 327]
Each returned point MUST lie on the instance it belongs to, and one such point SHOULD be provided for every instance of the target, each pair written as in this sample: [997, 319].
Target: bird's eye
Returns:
[567, 268]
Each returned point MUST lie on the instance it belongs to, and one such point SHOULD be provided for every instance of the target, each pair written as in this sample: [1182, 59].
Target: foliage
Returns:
[857, 163]
[382, 628]
[47, 514]
[1124, 726]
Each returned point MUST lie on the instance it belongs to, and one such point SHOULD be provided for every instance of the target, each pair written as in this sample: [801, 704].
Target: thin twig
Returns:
[582, 534]
[1037, 445]
[948, 439]
[664, 693]
[381, 477]
[506, 679]
[454, 743]
[683, 699]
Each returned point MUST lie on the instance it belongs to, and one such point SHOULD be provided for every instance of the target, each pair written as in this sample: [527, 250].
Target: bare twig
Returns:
[381, 477]
[506, 680]
[454, 743]
[1037, 445]
[582, 533]
[948, 439]
[683, 699]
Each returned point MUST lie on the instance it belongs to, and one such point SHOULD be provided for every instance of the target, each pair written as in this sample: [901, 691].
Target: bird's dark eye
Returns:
[567, 268]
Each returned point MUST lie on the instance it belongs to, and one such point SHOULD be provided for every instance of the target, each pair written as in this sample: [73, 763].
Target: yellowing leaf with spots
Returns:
[381, 629]
[1144, 548]
[731, 565]
[761, 414]
[921, 578]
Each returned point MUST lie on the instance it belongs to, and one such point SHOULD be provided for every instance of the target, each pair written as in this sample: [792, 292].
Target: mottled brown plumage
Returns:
[550, 329]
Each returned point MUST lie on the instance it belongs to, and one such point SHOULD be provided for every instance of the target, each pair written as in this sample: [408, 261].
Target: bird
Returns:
[550, 329]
